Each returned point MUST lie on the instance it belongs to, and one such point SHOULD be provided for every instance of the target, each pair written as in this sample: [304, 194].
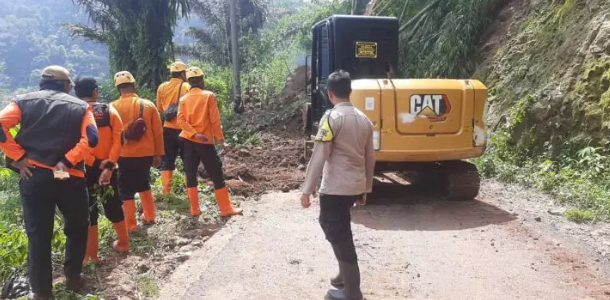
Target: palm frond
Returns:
[86, 32]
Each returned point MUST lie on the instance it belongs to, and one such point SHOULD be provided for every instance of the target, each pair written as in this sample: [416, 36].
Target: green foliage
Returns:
[577, 178]
[60, 292]
[221, 90]
[560, 145]
[579, 216]
[297, 26]
[567, 5]
[13, 253]
[571, 110]
[107, 91]
[570, 181]
[269, 46]
[592, 92]
[439, 38]
[103, 194]
[240, 137]
[31, 38]
[213, 40]
[506, 144]
[138, 34]
[146, 286]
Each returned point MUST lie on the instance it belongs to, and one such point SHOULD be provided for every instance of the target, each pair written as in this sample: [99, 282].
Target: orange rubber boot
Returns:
[193, 194]
[166, 181]
[148, 205]
[224, 203]
[122, 242]
[129, 209]
[92, 245]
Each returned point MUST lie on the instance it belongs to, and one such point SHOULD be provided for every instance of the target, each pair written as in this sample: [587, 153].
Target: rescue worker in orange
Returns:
[168, 97]
[199, 119]
[143, 148]
[101, 170]
[57, 132]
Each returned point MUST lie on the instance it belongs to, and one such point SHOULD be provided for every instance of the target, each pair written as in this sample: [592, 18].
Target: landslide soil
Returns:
[275, 165]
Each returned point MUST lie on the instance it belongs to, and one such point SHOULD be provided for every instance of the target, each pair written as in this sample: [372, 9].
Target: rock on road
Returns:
[409, 247]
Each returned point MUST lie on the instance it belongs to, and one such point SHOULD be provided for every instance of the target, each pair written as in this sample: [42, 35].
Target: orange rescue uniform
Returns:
[168, 94]
[11, 116]
[198, 113]
[109, 143]
[151, 143]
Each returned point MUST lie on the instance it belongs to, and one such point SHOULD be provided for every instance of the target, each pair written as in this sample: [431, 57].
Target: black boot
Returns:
[351, 281]
[75, 284]
[337, 281]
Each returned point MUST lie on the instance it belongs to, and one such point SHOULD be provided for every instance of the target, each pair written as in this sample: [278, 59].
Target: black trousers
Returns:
[206, 154]
[39, 196]
[174, 147]
[335, 220]
[113, 208]
[134, 176]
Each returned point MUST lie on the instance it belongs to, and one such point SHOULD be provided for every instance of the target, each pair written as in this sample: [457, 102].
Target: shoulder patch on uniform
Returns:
[92, 136]
[325, 132]
[2, 135]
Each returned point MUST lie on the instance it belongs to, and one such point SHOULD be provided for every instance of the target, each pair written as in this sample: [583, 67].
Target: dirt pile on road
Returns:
[274, 165]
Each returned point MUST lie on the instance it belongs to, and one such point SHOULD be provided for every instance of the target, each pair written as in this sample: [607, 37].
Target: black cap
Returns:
[85, 86]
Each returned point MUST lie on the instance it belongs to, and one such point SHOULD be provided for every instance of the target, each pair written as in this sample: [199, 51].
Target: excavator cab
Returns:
[426, 127]
[366, 47]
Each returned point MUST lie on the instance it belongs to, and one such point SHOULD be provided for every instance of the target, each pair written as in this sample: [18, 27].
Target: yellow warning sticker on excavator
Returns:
[325, 134]
[366, 50]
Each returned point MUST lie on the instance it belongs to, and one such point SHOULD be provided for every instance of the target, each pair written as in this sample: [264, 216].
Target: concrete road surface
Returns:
[409, 247]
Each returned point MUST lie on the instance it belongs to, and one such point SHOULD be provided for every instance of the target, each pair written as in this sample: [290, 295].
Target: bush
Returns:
[13, 253]
[576, 176]
[239, 137]
[222, 93]
[579, 216]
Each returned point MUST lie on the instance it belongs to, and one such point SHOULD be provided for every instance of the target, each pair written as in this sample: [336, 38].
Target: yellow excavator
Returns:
[425, 127]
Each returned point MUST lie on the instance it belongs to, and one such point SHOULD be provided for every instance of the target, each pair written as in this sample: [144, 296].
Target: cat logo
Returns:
[432, 107]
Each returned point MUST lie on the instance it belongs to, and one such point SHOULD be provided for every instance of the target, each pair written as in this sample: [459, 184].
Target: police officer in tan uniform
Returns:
[344, 155]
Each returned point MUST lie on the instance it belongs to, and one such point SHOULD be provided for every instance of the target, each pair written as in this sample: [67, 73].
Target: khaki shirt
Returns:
[343, 154]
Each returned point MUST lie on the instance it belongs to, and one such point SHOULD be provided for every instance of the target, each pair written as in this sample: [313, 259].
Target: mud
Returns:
[271, 166]
[276, 163]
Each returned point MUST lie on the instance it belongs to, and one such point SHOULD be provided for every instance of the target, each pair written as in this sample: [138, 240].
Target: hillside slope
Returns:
[550, 59]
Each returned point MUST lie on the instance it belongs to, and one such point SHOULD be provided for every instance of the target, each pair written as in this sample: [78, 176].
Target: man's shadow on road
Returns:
[402, 207]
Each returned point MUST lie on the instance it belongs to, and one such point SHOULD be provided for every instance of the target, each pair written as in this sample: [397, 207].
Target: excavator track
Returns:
[461, 180]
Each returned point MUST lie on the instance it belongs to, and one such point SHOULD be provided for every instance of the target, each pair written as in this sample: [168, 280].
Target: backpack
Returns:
[101, 113]
[172, 111]
[136, 129]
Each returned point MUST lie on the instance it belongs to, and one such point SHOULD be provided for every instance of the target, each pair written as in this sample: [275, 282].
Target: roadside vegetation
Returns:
[575, 177]
[274, 38]
[546, 133]
[549, 121]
